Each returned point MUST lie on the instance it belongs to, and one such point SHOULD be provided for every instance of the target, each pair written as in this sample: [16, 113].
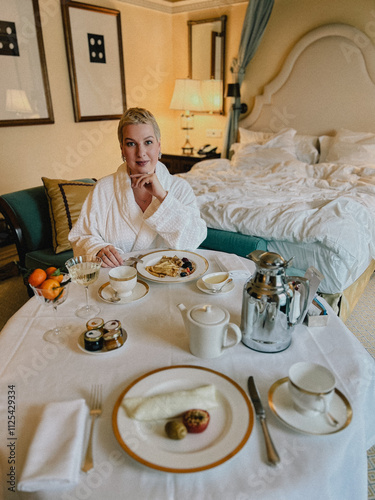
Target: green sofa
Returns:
[27, 214]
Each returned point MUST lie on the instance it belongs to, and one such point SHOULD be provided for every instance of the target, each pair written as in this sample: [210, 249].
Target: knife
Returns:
[272, 455]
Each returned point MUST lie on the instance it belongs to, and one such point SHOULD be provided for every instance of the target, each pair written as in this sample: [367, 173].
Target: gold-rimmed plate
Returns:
[230, 425]
[150, 259]
[281, 404]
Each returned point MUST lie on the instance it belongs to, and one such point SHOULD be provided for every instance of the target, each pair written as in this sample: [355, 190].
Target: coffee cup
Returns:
[215, 281]
[123, 279]
[311, 387]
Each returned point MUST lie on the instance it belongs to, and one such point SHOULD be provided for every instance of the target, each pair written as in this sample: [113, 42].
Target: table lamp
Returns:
[17, 102]
[212, 95]
[233, 90]
[187, 97]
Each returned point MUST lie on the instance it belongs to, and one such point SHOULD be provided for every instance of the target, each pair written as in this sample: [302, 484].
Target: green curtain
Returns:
[256, 18]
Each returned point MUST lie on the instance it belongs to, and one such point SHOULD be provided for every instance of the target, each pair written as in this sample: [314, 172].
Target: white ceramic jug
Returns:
[208, 326]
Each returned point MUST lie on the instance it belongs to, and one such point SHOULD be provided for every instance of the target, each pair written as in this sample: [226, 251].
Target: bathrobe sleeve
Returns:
[177, 220]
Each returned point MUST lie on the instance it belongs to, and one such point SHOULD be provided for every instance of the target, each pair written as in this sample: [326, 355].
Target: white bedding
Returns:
[329, 208]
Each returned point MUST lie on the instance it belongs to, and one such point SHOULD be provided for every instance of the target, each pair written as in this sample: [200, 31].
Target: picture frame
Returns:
[93, 42]
[24, 85]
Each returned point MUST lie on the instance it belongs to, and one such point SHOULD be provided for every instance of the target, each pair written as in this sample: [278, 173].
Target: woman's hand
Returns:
[110, 256]
[150, 183]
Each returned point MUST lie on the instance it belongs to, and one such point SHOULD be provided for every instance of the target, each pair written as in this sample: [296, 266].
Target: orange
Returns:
[37, 277]
[53, 272]
[51, 288]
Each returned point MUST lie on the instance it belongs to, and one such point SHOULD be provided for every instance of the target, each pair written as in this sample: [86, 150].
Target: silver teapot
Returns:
[272, 303]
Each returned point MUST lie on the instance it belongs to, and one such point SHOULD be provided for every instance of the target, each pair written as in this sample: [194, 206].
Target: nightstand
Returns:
[178, 164]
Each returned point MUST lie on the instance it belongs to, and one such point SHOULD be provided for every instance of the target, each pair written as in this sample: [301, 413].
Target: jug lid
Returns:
[208, 315]
[270, 260]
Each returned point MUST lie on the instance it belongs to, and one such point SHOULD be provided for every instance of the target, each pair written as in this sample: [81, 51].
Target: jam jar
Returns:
[93, 340]
[95, 324]
[113, 339]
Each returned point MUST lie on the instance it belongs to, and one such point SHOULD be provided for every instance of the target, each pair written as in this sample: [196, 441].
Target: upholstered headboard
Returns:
[327, 82]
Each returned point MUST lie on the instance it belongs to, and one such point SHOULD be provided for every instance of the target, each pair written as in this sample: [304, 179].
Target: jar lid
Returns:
[208, 315]
[112, 334]
[113, 324]
[93, 335]
[94, 323]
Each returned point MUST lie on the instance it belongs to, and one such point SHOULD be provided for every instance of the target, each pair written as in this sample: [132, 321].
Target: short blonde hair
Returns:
[134, 116]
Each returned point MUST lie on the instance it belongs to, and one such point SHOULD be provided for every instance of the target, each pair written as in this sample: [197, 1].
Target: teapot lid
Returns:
[208, 315]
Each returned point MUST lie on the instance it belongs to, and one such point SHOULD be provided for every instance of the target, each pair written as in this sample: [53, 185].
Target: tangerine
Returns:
[53, 272]
[37, 277]
[51, 288]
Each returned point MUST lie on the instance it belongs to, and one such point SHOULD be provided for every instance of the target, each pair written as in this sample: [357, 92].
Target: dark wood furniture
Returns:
[178, 164]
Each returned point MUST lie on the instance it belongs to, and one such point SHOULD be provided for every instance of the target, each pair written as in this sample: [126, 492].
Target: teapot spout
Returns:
[183, 310]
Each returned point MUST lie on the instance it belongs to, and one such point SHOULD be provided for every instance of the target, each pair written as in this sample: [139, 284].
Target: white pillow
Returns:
[353, 148]
[306, 146]
[325, 142]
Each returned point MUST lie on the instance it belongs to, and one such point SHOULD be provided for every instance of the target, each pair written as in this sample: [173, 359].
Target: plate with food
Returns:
[172, 266]
[190, 438]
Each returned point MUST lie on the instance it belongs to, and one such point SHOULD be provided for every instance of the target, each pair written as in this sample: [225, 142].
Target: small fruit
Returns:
[175, 429]
[196, 421]
[53, 272]
[37, 277]
[51, 288]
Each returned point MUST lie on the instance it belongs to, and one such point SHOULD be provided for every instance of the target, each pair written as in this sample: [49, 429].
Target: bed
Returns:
[302, 174]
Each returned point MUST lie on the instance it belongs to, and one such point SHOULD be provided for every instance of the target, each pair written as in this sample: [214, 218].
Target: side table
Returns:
[178, 164]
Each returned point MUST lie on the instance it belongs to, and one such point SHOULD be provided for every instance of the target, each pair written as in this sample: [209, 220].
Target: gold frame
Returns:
[116, 97]
[23, 82]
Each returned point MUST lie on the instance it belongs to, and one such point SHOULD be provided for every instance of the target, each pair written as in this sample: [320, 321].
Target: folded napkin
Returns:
[232, 264]
[170, 404]
[54, 457]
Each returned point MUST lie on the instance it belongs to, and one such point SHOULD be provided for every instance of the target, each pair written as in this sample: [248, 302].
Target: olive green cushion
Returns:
[65, 199]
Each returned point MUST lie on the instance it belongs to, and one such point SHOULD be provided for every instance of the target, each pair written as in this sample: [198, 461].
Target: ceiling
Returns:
[178, 6]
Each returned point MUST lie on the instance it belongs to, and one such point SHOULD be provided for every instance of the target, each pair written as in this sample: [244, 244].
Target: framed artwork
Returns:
[25, 97]
[96, 64]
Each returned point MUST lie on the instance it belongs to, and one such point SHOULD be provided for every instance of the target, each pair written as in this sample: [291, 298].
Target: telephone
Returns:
[207, 150]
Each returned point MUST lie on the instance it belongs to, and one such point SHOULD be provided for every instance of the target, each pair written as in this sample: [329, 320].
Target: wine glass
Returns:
[84, 270]
[53, 296]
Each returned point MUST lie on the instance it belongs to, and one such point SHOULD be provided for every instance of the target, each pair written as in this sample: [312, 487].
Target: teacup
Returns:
[123, 280]
[215, 281]
[312, 387]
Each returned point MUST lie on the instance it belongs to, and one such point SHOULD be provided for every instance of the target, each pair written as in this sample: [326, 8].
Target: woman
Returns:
[142, 205]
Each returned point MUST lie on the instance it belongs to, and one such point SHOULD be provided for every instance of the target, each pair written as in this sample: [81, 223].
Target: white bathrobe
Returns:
[110, 215]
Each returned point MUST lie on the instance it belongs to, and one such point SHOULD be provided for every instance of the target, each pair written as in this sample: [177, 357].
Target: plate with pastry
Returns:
[182, 418]
[172, 266]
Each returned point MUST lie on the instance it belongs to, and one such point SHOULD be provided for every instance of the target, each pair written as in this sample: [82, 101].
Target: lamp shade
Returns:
[187, 95]
[233, 90]
[17, 101]
[212, 92]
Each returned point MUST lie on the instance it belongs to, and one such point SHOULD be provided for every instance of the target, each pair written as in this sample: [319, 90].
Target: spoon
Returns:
[218, 290]
[331, 419]
[115, 297]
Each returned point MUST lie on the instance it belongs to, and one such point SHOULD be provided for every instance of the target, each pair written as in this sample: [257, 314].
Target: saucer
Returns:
[226, 289]
[280, 402]
[141, 289]
[81, 345]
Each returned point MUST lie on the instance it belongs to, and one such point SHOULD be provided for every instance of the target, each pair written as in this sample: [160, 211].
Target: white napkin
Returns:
[54, 457]
[170, 404]
[232, 264]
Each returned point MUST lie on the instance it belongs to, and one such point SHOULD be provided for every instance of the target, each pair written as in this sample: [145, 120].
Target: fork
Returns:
[95, 411]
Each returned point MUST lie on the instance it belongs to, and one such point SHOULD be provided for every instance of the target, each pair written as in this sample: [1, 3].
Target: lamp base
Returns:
[187, 148]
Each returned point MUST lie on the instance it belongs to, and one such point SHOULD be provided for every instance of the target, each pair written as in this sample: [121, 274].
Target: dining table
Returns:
[133, 459]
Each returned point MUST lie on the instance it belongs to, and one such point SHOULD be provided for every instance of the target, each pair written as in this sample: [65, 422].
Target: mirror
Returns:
[207, 51]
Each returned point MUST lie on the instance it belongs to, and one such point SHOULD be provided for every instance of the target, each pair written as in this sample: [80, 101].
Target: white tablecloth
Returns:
[326, 467]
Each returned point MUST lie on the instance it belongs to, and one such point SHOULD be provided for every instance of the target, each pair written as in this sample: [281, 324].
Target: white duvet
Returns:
[322, 212]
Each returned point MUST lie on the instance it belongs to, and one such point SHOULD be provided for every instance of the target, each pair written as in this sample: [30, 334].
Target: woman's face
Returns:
[140, 148]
